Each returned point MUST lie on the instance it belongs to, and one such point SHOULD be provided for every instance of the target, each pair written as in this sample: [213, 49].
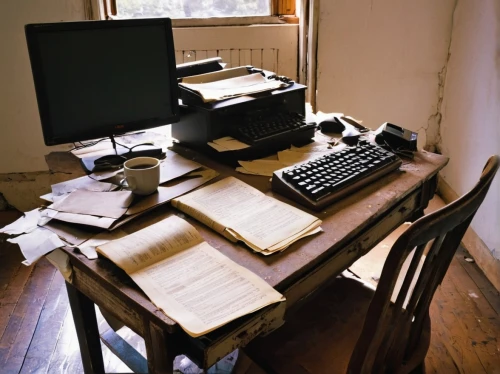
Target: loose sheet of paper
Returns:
[71, 234]
[25, 224]
[60, 260]
[82, 183]
[167, 193]
[261, 222]
[262, 167]
[101, 204]
[227, 143]
[36, 244]
[88, 248]
[174, 166]
[192, 282]
[86, 219]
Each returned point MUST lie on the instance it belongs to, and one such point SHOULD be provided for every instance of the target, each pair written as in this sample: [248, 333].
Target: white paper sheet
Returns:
[36, 244]
[25, 224]
[101, 204]
[82, 183]
[88, 247]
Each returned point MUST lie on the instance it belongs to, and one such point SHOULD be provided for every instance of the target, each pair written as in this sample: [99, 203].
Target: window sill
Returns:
[231, 21]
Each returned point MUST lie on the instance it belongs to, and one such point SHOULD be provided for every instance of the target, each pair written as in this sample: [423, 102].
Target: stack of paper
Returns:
[88, 201]
[232, 87]
[241, 212]
[88, 204]
[190, 281]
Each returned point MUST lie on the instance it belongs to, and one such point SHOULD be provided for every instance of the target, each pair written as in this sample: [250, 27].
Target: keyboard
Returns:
[270, 127]
[319, 182]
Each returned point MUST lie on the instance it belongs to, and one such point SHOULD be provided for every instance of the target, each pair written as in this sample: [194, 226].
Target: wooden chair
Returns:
[348, 327]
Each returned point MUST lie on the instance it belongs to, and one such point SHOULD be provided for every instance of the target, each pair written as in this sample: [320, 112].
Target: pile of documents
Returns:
[190, 281]
[322, 145]
[240, 212]
[228, 83]
[91, 205]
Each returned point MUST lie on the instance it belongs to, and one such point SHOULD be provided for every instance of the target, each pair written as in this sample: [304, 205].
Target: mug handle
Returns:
[131, 182]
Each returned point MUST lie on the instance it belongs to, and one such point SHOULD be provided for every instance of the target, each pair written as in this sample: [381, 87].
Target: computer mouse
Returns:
[331, 126]
[110, 160]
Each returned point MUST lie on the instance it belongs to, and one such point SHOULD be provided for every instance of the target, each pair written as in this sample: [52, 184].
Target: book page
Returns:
[258, 219]
[192, 282]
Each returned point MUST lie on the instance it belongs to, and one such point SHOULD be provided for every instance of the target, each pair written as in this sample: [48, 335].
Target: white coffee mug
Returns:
[142, 174]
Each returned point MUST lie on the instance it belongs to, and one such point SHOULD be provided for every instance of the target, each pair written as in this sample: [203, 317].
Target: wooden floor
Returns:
[37, 332]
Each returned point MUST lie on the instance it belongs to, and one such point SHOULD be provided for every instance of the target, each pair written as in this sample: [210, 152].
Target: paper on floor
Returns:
[36, 244]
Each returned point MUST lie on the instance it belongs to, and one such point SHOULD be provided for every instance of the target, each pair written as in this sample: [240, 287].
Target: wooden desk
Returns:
[351, 228]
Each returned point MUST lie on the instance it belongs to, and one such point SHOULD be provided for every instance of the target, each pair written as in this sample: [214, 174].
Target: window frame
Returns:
[282, 11]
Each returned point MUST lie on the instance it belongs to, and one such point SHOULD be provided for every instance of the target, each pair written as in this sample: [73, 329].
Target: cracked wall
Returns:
[470, 126]
[386, 61]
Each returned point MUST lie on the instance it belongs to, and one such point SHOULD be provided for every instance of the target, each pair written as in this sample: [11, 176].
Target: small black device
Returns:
[331, 124]
[398, 138]
[207, 65]
[320, 182]
[97, 79]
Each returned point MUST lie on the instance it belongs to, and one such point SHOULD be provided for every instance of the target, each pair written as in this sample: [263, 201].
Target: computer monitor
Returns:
[97, 79]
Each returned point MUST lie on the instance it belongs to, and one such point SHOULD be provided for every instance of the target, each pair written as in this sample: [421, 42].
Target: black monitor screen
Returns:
[99, 78]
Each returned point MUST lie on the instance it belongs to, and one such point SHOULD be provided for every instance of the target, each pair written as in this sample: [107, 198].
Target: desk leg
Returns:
[83, 310]
[159, 349]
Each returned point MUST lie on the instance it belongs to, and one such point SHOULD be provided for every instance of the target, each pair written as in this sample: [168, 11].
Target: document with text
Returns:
[240, 212]
[192, 282]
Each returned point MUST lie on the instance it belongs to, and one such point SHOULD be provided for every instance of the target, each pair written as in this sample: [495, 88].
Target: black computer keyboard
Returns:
[257, 129]
[320, 182]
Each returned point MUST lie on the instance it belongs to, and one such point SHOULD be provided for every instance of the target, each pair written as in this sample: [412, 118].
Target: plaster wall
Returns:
[384, 61]
[21, 143]
[471, 109]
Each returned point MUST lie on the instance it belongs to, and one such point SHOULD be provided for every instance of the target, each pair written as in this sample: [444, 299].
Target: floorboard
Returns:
[37, 333]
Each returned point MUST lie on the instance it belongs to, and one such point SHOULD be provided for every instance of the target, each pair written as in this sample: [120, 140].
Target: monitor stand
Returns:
[116, 157]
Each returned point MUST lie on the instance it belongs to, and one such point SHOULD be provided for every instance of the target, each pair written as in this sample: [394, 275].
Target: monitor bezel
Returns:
[33, 30]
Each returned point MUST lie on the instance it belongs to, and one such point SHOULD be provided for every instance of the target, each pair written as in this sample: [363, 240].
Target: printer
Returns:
[202, 122]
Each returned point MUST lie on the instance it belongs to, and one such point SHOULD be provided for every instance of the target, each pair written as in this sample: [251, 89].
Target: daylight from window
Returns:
[192, 8]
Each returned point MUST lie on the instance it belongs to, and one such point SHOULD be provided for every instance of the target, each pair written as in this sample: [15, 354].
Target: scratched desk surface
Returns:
[344, 223]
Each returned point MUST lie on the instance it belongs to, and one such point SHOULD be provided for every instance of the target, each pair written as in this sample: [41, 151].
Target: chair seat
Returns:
[321, 335]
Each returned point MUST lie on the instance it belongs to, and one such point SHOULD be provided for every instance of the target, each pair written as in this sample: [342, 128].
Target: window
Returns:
[192, 8]
[179, 9]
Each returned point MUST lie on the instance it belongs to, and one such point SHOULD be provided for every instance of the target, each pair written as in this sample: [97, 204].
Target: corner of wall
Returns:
[433, 129]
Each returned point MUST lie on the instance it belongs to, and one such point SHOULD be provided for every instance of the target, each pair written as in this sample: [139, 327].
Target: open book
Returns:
[240, 212]
[190, 281]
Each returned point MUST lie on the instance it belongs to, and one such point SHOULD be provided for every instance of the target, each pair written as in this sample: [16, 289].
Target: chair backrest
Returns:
[391, 333]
